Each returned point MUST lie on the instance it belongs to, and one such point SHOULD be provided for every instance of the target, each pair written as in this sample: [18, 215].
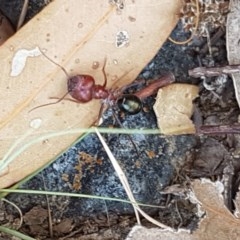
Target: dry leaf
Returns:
[233, 47]
[79, 35]
[218, 223]
[173, 108]
[210, 159]
[65, 226]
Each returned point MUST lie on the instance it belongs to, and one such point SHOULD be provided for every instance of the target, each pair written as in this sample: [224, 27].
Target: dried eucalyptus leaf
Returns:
[78, 35]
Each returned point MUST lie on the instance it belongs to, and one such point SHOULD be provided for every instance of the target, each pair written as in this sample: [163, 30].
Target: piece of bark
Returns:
[174, 107]
[213, 71]
[232, 44]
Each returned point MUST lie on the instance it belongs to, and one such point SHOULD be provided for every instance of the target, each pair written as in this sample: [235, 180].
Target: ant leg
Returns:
[102, 109]
[67, 99]
[120, 124]
[105, 107]
[104, 73]
[44, 105]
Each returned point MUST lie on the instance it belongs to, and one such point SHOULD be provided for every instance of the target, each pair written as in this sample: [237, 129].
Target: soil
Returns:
[153, 163]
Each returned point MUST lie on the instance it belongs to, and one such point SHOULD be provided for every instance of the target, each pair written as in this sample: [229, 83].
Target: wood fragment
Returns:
[213, 71]
[174, 107]
[219, 129]
[153, 87]
[232, 42]
[213, 40]
[227, 180]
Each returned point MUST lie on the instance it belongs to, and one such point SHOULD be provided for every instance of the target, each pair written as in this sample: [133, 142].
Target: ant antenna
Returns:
[104, 73]
[63, 69]
[129, 137]
[47, 104]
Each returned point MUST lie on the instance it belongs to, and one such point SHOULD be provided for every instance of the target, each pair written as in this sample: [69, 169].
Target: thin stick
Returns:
[50, 222]
[213, 71]
[124, 181]
[213, 40]
[219, 129]
[153, 87]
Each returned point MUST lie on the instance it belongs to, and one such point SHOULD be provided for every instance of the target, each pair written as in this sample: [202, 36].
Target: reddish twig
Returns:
[153, 87]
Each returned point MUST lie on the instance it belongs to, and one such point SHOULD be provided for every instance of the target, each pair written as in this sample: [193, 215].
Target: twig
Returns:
[50, 222]
[180, 217]
[153, 87]
[213, 40]
[227, 179]
[213, 71]
[219, 129]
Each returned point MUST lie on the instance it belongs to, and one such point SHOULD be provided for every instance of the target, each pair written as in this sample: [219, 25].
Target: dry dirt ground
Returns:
[164, 161]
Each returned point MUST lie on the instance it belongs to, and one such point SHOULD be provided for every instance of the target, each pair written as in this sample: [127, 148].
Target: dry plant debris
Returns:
[210, 159]
[217, 221]
[174, 107]
[212, 15]
[233, 47]
[213, 71]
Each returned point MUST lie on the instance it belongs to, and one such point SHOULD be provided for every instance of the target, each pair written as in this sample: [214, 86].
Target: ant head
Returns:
[81, 87]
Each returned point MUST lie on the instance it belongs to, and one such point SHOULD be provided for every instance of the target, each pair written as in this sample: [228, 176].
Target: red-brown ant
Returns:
[83, 89]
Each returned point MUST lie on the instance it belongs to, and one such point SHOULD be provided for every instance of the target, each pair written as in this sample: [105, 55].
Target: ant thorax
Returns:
[100, 92]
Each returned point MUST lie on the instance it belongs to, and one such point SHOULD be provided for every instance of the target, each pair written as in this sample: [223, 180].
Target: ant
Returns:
[82, 89]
